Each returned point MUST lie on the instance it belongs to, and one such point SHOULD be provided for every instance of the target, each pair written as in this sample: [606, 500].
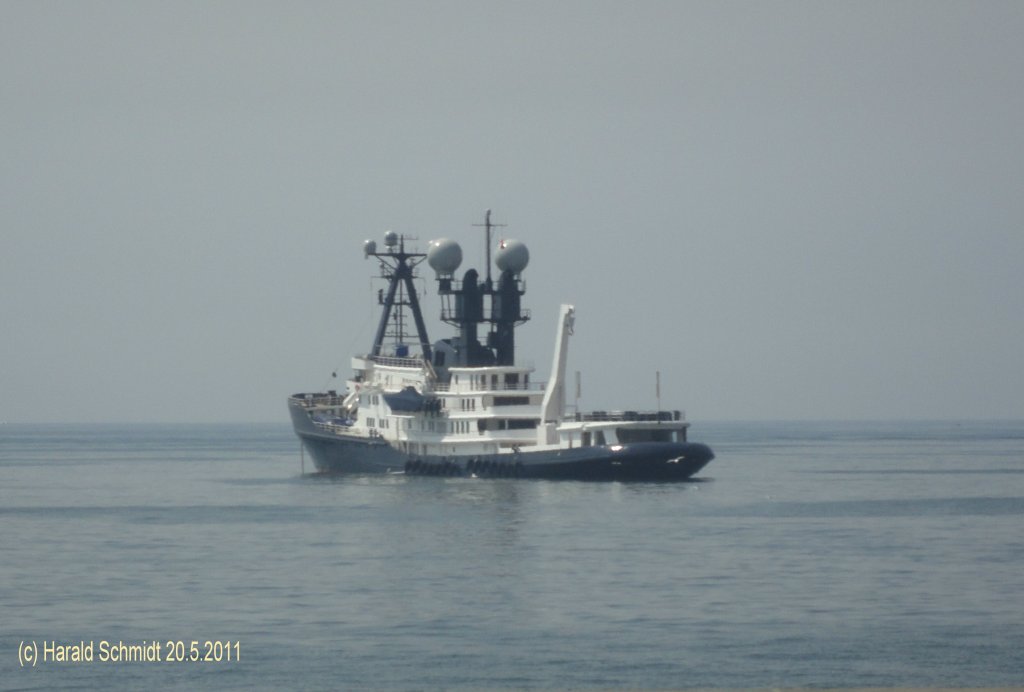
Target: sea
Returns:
[824, 554]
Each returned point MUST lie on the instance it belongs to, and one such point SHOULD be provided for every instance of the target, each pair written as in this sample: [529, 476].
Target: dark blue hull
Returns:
[640, 461]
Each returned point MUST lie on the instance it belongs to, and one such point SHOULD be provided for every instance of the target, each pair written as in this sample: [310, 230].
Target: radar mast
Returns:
[463, 301]
[398, 267]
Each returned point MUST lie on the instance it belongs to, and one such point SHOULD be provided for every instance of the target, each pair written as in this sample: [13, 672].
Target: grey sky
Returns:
[793, 210]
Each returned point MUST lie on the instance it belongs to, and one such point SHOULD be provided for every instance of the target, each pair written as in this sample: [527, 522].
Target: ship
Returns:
[462, 406]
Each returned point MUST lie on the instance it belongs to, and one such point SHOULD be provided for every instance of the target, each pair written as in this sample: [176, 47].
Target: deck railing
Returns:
[467, 388]
[398, 362]
[317, 399]
[451, 314]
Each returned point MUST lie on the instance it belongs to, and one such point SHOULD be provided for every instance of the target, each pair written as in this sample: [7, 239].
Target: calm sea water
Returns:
[882, 554]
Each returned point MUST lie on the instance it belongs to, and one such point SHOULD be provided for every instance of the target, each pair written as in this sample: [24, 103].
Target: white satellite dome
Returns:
[444, 255]
[369, 247]
[390, 239]
[512, 256]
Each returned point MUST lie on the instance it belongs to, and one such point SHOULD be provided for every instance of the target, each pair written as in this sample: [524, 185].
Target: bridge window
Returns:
[627, 435]
[507, 424]
[511, 401]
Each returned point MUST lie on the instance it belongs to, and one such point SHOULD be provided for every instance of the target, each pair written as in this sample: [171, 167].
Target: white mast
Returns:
[553, 407]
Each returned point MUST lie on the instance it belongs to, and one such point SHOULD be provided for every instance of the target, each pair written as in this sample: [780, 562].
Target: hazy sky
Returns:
[793, 210]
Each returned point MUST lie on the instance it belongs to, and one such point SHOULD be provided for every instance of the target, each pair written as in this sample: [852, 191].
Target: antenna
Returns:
[488, 225]
[657, 391]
